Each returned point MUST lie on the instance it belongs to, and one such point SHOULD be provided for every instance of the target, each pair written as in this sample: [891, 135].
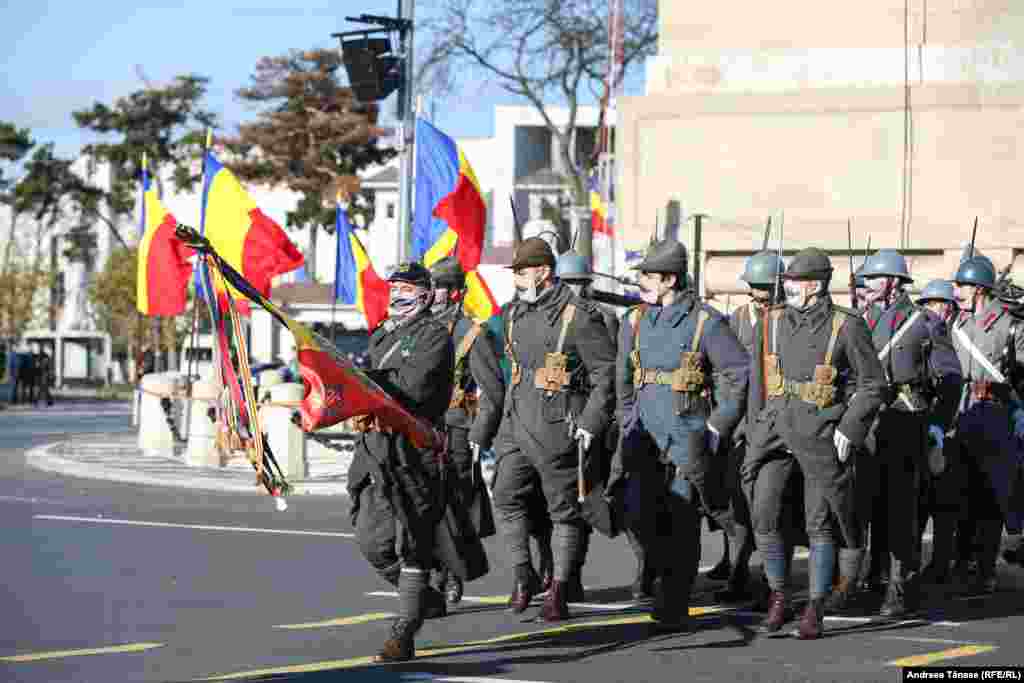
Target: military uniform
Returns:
[396, 486]
[988, 447]
[680, 371]
[562, 377]
[924, 378]
[815, 372]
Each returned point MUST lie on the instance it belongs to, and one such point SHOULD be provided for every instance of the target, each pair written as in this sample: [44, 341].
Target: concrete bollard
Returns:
[286, 439]
[154, 432]
[202, 433]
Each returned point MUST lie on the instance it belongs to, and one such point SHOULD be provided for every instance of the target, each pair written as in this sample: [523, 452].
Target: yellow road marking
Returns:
[341, 621]
[313, 667]
[932, 657]
[58, 654]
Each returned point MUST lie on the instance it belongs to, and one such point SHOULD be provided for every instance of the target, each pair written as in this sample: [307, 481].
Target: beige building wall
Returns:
[800, 109]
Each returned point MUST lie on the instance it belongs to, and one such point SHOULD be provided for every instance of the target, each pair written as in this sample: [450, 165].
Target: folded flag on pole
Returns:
[163, 267]
[450, 210]
[599, 214]
[246, 238]
[335, 389]
[355, 280]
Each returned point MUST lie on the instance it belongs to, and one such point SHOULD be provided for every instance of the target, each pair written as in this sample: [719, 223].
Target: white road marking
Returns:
[40, 501]
[197, 527]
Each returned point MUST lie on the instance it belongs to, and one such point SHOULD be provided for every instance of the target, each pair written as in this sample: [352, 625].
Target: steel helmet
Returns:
[667, 256]
[887, 263]
[572, 266]
[977, 271]
[809, 264]
[763, 269]
[858, 278]
[937, 290]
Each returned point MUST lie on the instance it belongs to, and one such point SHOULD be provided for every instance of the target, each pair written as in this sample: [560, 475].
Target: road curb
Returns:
[197, 478]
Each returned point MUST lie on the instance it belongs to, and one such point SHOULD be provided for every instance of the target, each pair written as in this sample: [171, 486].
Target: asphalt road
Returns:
[111, 582]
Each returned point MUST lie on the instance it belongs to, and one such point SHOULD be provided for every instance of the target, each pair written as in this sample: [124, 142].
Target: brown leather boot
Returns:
[812, 623]
[556, 604]
[842, 594]
[400, 646]
[778, 613]
[526, 587]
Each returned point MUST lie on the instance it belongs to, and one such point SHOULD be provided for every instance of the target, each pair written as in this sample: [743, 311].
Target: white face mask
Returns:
[800, 294]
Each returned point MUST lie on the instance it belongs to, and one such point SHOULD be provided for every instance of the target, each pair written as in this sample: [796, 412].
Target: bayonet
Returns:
[853, 279]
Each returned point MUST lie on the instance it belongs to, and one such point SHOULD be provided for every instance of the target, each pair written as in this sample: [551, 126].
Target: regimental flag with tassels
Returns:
[336, 389]
[355, 280]
[450, 207]
[163, 266]
[246, 238]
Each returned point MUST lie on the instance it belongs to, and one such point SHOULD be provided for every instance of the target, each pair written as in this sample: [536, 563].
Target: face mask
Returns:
[797, 296]
[441, 302]
[529, 294]
[402, 306]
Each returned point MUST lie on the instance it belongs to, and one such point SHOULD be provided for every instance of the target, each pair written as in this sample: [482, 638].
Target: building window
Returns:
[391, 210]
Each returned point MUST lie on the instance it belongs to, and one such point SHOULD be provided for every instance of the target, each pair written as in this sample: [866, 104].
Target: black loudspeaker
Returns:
[373, 72]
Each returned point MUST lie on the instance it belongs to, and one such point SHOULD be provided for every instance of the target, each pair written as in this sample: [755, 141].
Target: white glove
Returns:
[842, 445]
[475, 449]
[586, 437]
[1018, 424]
[936, 437]
[714, 439]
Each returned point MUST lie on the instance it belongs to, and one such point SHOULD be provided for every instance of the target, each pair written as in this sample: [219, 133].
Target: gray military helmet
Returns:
[977, 271]
[763, 269]
[858, 278]
[937, 290]
[667, 256]
[572, 266]
[448, 273]
[809, 264]
[887, 263]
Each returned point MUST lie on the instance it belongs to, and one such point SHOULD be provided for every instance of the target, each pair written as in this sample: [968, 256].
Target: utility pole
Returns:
[406, 115]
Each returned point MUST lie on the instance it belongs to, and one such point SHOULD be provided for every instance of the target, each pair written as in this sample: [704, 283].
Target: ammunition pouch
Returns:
[555, 375]
[465, 401]
[820, 392]
[987, 390]
[364, 424]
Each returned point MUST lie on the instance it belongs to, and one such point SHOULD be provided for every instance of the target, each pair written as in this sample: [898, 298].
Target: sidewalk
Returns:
[117, 457]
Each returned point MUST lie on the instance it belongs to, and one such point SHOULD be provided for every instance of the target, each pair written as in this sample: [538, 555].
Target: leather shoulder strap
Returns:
[467, 341]
[838, 319]
[702, 318]
[568, 313]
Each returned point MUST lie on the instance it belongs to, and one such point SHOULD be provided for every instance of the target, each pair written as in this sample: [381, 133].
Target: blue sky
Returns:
[59, 56]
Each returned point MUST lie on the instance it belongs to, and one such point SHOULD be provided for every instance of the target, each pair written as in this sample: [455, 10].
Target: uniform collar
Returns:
[674, 313]
[550, 305]
[990, 314]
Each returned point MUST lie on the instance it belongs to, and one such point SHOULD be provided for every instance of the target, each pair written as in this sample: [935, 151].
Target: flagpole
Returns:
[193, 351]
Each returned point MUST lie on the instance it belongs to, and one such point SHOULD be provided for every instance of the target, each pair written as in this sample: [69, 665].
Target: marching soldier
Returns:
[559, 401]
[682, 379]
[574, 271]
[471, 421]
[924, 378]
[393, 483]
[989, 343]
[761, 274]
[821, 384]
[943, 491]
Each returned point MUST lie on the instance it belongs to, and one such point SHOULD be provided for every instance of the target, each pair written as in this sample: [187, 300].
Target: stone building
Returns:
[903, 117]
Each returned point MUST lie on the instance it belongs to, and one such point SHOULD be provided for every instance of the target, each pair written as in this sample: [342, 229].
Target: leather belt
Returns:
[642, 376]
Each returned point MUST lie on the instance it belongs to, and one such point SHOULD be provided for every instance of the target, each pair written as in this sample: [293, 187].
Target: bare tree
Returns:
[549, 52]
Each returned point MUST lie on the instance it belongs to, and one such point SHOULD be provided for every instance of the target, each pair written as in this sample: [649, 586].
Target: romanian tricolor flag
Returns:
[355, 280]
[450, 210]
[249, 240]
[479, 302]
[163, 270]
[599, 214]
